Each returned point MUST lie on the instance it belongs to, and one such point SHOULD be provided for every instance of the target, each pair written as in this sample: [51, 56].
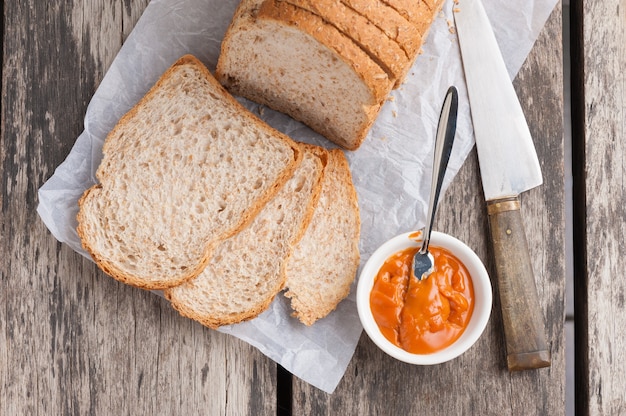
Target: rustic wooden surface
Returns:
[599, 131]
[73, 341]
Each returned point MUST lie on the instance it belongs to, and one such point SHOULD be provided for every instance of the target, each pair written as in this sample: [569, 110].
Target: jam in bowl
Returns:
[425, 321]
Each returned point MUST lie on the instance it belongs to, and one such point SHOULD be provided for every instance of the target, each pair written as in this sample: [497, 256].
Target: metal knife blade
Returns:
[508, 166]
[508, 160]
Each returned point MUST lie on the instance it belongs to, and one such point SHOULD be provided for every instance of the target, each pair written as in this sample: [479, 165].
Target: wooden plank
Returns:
[72, 340]
[598, 131]
[478, 382]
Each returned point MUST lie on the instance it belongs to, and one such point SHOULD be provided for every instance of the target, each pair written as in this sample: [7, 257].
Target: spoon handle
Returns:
[446, 130]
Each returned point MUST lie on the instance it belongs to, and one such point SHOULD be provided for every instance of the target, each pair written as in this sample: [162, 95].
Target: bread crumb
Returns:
[451, 27]
[394, 113]
[391, 98]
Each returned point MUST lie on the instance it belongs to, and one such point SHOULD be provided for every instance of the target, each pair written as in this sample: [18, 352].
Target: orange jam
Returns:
[426, 315]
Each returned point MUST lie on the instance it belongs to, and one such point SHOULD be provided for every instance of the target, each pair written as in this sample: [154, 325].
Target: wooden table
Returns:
[73, 341]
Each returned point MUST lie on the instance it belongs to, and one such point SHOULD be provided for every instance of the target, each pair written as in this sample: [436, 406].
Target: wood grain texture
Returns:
[522, 316]
[598, 130]
[72, 340]
[479, 382]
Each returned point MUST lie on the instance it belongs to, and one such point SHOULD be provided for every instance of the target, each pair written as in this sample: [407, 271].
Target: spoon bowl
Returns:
[423, 264]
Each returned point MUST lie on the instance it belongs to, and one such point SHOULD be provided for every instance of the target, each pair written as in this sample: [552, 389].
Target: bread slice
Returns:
[383, 50]
[324, 263]
[329, 36]
[295, 63]
[417, 12]
[246, 271]
[392, 23]
[434, 5]
[185, 168]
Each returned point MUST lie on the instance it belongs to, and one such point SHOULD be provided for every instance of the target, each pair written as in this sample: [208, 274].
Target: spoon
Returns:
[423, 261]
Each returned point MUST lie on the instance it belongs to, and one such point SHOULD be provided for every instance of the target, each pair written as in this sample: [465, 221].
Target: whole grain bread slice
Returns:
[417, 12]
[185, 168]
[392, 23]
[385, 51]
[295, 63]
[246, 270]
[324, 263]
[433, 4]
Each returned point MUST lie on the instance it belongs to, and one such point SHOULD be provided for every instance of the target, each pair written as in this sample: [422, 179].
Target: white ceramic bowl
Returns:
[482, 295]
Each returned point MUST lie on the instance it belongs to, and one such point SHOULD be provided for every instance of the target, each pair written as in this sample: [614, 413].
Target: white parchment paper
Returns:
[391, 170]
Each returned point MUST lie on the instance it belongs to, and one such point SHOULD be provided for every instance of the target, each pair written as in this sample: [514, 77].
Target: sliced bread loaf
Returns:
[185, 168]
[324, 263]
[246, 270]
[292, 61]
[383, 50]
[392, 23]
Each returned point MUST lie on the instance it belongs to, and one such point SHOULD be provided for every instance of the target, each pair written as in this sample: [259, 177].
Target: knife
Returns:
[508, 166]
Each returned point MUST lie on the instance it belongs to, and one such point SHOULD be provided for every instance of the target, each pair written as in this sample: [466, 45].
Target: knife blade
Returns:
[508, 166]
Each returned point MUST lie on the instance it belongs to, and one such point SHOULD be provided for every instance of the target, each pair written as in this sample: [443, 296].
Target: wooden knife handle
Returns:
[523, 318]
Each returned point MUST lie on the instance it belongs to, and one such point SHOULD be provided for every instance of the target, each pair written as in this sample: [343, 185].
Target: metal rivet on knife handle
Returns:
[503, 205]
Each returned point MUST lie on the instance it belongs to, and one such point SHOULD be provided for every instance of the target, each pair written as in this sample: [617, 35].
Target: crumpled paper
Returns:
[391, 170]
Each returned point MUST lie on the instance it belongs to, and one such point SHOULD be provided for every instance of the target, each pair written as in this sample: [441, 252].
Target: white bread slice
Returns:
[383, 50]
[324, 263]
[392, 23]
[247, 270]
[303, 67]
[183, 169]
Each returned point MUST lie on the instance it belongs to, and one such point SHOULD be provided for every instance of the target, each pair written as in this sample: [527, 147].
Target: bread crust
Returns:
[383, 50]
[417, 12]
[193, 269]
[323, 155]
[392, 23]
[319, 275]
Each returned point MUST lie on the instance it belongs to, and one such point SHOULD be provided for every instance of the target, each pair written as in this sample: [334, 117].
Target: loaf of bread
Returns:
[246, 270]
[330, 64]
[324, 263]
[290, 60]
[184, 169]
